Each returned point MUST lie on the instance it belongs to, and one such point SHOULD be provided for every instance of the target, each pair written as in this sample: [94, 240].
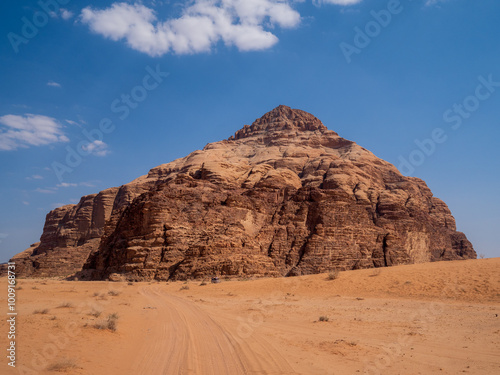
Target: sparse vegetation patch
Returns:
[65, 305]
[62, 365]
[41, 311]
[110, 323]
[333, 274]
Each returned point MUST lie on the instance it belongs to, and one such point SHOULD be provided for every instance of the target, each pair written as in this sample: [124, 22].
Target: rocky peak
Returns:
[290, 198]
[281, 119]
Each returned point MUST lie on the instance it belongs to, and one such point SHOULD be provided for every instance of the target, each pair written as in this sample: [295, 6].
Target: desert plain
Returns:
[432, 318]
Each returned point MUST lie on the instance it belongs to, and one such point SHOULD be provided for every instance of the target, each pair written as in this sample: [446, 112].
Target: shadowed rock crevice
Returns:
[385, 251]
[283, 196]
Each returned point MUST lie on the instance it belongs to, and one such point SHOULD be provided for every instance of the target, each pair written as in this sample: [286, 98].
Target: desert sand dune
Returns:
[435, 318]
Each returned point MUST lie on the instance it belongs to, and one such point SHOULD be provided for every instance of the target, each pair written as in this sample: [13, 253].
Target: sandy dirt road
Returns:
[186, 340]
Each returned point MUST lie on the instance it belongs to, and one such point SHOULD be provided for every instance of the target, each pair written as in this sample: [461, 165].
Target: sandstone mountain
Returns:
[284, 196]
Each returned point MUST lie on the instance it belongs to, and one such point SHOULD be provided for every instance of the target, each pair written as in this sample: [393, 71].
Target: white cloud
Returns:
[97, 148]
[52, 190]
[3, 236]
[204, 23]
[46, 191]
[53, 84]
[29, 130]
[338, 2]
[87, 184]
[434, 2]
[81, 120]
[26, 203]
[71, 122]
[66, 184]
[35, 177]
[66, 14]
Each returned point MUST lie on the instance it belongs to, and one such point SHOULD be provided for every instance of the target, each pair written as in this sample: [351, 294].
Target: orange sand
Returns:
[437, 318]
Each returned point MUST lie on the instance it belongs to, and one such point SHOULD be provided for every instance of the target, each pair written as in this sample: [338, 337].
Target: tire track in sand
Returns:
[185, 340]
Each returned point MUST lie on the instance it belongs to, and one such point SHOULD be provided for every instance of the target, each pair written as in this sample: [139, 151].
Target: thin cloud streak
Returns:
[29, 130]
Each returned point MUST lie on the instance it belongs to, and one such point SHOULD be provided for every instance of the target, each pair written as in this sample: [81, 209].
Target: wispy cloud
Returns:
[26, 203]
[3, 236]
[53, 84]
[71, 122]
[46, 190]
[66, 14]
[338, 2]
[23, 106]
[66, 184]
[87, 184]
[29, 130]
[97, 148]
[52, 190]
[433, 2]
[35, 177]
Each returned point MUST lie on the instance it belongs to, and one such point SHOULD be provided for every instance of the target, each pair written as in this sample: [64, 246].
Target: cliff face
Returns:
[284, 196]
[71, 233]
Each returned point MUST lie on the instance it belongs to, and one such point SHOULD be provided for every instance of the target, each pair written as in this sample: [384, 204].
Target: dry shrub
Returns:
[62, 365]
[109, 323]
[95, 313]
[100, 296]
[41, 311]
[65, 305]
[333, 274]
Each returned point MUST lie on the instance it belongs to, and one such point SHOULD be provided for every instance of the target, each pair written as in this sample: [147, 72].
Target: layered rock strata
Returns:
[282, 197]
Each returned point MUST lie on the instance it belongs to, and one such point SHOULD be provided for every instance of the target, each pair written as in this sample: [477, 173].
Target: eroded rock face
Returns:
[284, 196]
[72, 232]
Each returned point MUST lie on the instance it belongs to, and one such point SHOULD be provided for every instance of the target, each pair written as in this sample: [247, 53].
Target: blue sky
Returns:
[131, 85]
